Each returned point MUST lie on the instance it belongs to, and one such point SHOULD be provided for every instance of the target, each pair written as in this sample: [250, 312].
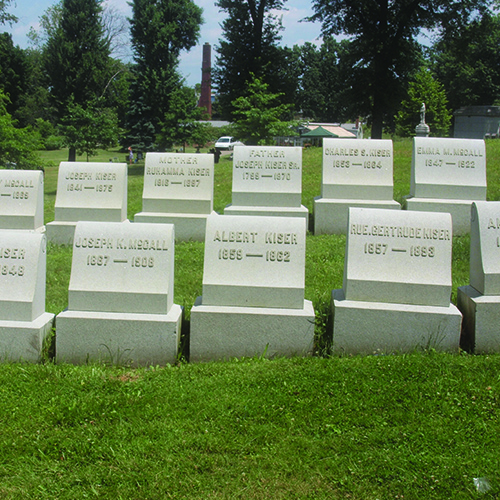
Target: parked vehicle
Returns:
[227, 143]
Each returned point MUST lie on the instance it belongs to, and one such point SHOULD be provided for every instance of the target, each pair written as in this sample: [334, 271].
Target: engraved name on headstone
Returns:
[21, 199]
[120, 306]
[447, 168]
[122, 267]
[397, 284]
[178, 183]
[24, 324]
[267, 176]
[87, 192]
[399, 257]
[480, 300]
[485, 247]
[22, 275]
[91, 191]
[254, 261]
[357, 169]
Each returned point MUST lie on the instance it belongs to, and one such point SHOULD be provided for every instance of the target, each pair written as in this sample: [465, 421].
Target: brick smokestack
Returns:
[206, 89]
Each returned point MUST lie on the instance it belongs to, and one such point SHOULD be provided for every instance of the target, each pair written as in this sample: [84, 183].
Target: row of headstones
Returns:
[100, 187]
[395, 295]
[446, 176]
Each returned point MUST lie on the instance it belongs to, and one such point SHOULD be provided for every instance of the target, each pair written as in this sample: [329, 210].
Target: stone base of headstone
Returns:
[222, 332]
[459, 210]
[187, 226]
[23, 340]
[118, 338]
[378, 327]
[301, 211]
[481, 324]
[60, 232]
[330, 216]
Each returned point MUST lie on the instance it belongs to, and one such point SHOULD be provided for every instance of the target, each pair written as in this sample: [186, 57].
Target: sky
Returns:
[295, 33]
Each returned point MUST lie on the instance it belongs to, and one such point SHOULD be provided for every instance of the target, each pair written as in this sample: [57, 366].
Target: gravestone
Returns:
[397, 284]
[356, 173]
[24, 324]
[178, 189]
[120, 302]
[253, 290]
[267, 180]
[480, 301]
[87, 192]
[21, 200]
[447, 175]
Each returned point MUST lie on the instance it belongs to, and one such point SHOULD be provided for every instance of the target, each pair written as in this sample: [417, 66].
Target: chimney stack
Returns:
[206, 89]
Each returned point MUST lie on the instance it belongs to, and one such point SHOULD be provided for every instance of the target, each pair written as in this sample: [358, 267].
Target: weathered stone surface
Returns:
[87, 192]
[267, 180]
[24, 324]
[121, 296]
[254, 262]
[356, 173]
[398, 257]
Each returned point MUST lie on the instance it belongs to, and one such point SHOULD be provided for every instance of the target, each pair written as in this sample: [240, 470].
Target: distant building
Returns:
[477, 122]
[335, 129]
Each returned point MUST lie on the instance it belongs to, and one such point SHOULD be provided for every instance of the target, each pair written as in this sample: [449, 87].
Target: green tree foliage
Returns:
[89, 127]
[468, 63]
[383, 37]
[259, 114]
[160, 30]
[77, 60]
[424, 89]
[17, 145]
[326, 91]
[251, 34]
[180, 124]
[13, 71]
[5, 17]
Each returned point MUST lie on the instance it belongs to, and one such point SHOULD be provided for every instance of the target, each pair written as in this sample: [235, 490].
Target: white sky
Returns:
[295, 33]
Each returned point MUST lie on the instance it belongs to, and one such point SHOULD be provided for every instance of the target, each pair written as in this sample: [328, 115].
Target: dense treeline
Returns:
[72, 89]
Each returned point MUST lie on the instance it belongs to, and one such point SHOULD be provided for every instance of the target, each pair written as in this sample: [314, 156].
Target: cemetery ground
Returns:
[421, 425]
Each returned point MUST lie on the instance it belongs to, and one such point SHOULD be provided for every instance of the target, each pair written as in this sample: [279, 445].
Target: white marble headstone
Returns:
[22, 275]
[448, 168]
[254, 261]
[91, 191]
[357, 169]
[398, 257]
[122, 267]
[21, 199]
[267, 176]
[178, 183]
[485, 247]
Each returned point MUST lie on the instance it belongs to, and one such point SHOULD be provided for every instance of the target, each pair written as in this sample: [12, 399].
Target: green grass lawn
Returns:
[419, 426]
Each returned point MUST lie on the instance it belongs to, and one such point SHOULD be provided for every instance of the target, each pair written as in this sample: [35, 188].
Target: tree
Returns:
[259, 114]
[468, 63]
[251, 34]
[424, 89]
[5, 17]
[180, 124]
[384, 38]
[77, 58]
[13, 71]
[17, 145]
[326, 90]
[88, 127]
[160, 30]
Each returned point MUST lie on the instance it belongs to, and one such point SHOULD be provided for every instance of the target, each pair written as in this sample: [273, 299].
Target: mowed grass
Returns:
[414, 426]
